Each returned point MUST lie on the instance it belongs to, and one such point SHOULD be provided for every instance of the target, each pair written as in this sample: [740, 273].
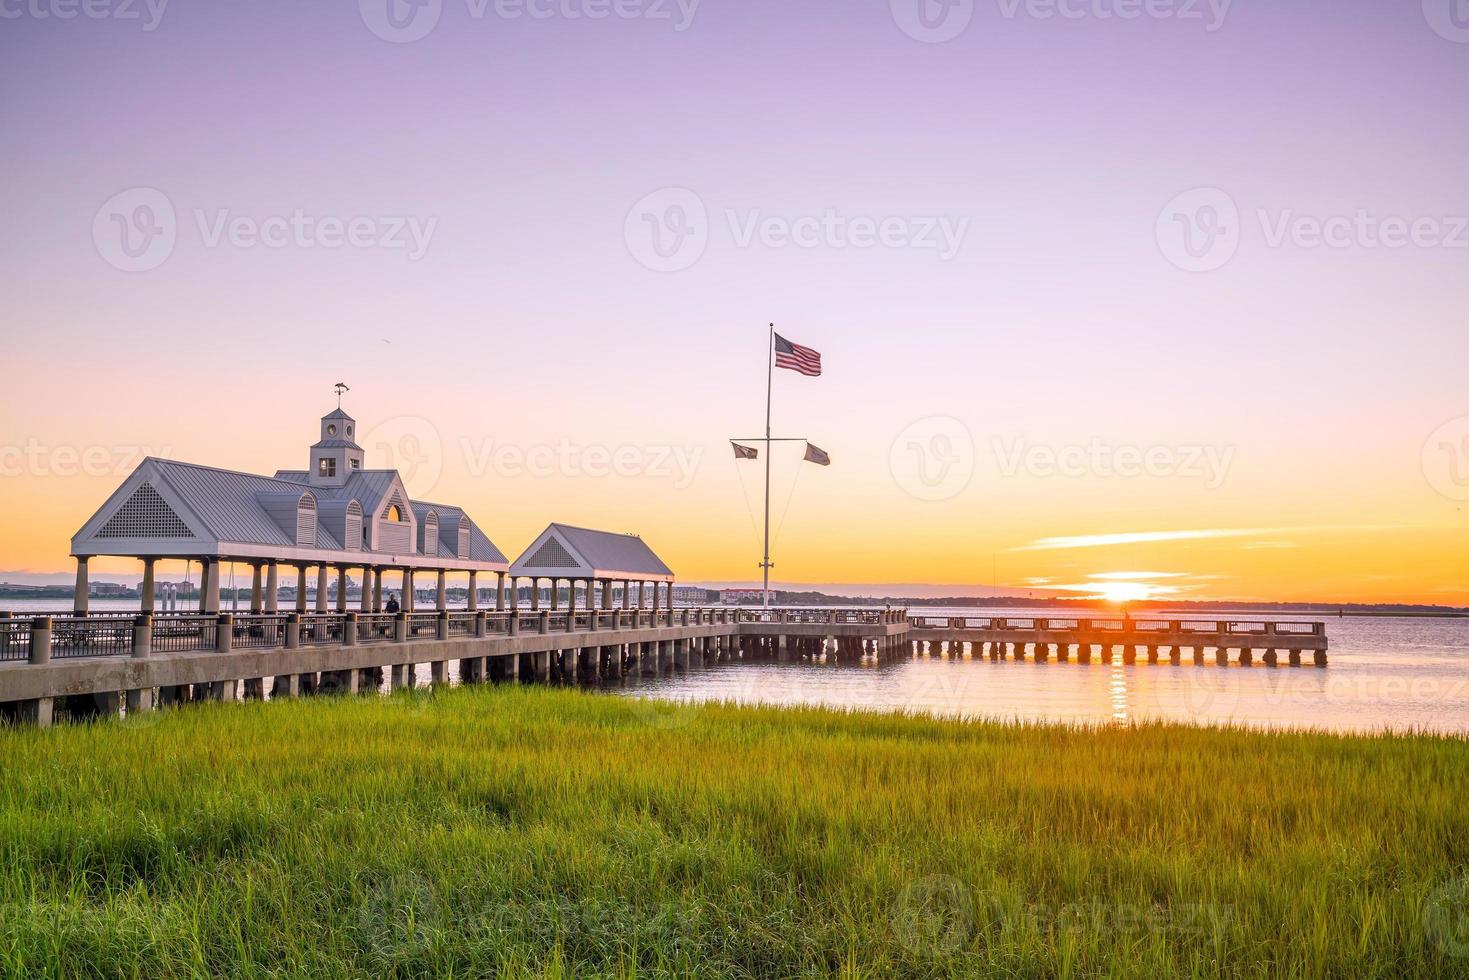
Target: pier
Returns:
[100, 665]
[338, 515]
[1204, 640]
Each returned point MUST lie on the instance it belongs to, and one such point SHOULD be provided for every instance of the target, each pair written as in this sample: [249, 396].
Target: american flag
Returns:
[796, 357]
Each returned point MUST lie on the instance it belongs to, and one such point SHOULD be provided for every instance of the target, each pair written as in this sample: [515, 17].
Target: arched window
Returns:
[352, 528]
[395, 514]
[306, 521]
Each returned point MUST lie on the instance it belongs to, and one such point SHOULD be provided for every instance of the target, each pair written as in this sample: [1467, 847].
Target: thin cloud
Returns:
[1149, 537]
[1133, 537]
[1137, 575]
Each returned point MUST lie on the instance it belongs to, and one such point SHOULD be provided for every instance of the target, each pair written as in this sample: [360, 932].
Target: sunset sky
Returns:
[1161, 306]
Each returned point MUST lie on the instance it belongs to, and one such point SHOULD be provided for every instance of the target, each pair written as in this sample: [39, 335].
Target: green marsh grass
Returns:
[526, 831]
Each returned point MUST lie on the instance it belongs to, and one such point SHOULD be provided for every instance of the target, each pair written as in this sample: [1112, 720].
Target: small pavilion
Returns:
[335, 515]
[595, 560]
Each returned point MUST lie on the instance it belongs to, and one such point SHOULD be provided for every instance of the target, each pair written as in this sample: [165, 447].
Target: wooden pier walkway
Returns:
[95, 665]
[1008, 638]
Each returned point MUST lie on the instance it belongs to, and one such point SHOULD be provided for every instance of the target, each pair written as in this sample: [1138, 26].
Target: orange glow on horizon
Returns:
[1333, 529]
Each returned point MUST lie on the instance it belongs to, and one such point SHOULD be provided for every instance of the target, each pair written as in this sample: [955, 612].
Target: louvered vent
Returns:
[352, 534]
[431, 534]
[145, 515]
[552, 555]
[306, 522]
[463, 551]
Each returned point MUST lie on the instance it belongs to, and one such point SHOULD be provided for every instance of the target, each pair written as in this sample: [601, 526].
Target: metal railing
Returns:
[1143, 627]
[826, 615]
[182, 634]
[91, 614]
[103, 637]
[259, 631]
[1299, 629]
[422, 624]
[15, 639]
[322, 629]
[372, 627]
[1249, 628]
[1198, 626]
[115, 635]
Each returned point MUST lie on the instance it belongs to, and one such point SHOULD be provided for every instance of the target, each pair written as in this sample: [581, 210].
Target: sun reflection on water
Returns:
[1119, 693]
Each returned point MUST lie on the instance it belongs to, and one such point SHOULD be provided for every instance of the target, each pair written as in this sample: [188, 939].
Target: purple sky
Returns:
[1054, 142]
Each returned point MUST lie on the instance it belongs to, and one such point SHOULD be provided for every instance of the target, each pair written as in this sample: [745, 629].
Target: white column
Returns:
[150, 590]
[365, 602]
[474, 591]
[79, 601]
[256, 588]
[341, 588]
[440, 597]
[500, 591]
[210, 596]
[321, 588]
[272, 586]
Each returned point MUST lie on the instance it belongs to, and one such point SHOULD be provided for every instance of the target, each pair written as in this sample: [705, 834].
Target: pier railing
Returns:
[69, 636]
[184, 634]
[258, 632]
[823, 615]
[108, 637]
[15, 639]
[1221, 627]
[132, 634]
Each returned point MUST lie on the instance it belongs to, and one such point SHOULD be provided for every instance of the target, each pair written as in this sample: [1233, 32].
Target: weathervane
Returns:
[341, 387]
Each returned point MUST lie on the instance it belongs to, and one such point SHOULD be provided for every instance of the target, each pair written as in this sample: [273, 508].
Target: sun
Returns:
[1124, 591]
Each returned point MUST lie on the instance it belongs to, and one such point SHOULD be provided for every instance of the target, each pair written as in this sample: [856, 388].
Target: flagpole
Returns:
[769, 384]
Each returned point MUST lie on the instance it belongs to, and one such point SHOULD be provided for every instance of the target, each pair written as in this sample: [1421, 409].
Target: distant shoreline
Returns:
[1068, 607]
[1103, 607]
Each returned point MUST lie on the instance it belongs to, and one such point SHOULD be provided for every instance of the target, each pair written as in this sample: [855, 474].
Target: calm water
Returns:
[1400, 674]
